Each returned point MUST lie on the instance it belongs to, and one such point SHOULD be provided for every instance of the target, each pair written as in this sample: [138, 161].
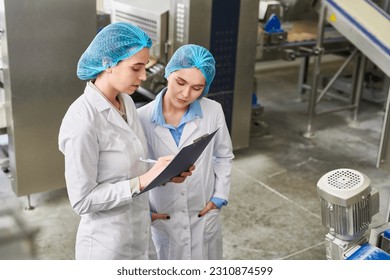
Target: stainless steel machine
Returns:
[348, 203]
[41, 42]
[226, 28]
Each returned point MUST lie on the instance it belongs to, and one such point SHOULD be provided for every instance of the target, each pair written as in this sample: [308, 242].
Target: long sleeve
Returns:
[79, 144]
[222, 158]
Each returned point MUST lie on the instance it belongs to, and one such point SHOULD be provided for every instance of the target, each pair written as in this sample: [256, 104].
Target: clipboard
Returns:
[186, 157]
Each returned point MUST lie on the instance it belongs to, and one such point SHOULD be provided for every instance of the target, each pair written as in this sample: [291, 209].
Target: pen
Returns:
[147, 160]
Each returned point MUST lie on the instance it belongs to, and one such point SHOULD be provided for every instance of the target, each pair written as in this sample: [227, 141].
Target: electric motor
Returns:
[348, 203]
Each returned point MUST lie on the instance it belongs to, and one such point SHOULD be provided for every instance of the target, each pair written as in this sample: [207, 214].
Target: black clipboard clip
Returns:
[201, 137]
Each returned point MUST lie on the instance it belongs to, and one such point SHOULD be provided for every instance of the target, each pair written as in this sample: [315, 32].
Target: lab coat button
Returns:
[182, 193]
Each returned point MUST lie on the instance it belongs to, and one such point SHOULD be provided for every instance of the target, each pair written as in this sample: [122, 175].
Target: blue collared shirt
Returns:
[194, 111]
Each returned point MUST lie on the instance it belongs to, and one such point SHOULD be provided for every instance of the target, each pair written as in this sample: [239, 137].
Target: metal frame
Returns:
[314, 98]
[367, 48]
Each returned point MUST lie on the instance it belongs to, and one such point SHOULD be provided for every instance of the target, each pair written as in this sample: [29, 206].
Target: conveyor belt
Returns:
[364, 25]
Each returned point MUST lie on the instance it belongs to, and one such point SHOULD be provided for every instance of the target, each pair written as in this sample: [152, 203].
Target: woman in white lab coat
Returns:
[102, 141]
[187, 224]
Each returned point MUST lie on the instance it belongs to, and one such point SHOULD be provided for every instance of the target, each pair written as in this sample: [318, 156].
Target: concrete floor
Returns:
[273, 210]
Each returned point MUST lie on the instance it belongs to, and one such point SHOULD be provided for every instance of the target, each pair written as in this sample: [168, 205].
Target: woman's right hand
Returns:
[183, 176]
[157, 168]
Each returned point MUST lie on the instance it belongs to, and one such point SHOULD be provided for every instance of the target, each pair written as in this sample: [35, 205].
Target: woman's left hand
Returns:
[207, 208]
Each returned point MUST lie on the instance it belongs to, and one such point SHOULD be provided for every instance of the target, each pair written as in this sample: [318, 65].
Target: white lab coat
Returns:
[185, 235]
[101, 156]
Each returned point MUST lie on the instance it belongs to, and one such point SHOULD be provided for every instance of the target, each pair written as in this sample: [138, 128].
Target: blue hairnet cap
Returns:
[190, 56]
[115, 42]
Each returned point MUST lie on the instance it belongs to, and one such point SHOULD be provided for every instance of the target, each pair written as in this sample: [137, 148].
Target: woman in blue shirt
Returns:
[188, 225]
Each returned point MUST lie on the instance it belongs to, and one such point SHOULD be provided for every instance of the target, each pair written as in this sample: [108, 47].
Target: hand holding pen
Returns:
[156, 169]
[165, 161]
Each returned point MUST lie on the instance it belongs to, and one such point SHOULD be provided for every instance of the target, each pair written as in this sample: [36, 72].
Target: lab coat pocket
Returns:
[212, 225]
[157, 223]
[161, 239]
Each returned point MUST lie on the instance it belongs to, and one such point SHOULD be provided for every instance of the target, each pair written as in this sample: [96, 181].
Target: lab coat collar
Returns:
[162, 129]
[101, 104]
[116, 119]
[165, 135]
[194, 111]
[95, 98]
[129, 110]
[189, 128]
